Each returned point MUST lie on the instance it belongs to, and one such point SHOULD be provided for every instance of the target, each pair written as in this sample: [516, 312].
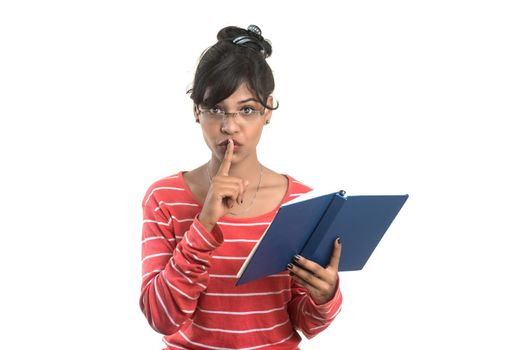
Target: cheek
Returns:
[258, 131]
[209, 136]
[254, 136]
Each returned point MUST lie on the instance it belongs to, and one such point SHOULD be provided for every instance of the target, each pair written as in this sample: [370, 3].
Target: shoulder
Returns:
[296, 187]
[278, 179]
[288, 185]
[166, 186]
[297, 184]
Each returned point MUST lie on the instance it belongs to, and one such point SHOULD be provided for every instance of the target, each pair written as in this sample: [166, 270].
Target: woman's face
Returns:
[245, 132]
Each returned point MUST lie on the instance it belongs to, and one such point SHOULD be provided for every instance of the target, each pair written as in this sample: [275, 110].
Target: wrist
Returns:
[207, 223]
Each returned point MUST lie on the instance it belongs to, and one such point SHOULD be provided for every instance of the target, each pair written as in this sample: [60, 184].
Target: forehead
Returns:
[240, 95]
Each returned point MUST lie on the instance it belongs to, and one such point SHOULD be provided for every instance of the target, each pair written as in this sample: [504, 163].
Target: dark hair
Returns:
[224, 66]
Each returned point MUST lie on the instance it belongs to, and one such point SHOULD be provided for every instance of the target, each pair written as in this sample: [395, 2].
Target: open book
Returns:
[309, 224]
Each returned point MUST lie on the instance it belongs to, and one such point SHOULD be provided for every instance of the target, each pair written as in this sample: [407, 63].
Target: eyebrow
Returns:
[247, 100]
[242, 101]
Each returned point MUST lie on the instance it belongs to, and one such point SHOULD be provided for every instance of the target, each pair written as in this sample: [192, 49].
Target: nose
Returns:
[230, 123]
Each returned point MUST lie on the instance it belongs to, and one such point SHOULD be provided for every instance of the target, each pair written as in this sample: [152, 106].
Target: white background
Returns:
[418, 97]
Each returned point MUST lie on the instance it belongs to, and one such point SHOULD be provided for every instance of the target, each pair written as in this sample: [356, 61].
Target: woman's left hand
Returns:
[320, 282]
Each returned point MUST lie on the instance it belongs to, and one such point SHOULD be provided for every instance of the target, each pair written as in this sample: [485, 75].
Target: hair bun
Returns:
[251, 38]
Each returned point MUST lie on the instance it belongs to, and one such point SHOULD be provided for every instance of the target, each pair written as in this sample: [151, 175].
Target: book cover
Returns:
[309, 225]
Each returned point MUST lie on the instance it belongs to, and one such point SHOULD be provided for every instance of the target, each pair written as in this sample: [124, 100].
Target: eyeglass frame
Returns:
[256, 113]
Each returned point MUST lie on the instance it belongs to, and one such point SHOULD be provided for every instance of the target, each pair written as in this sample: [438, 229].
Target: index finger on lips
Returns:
[226, 162]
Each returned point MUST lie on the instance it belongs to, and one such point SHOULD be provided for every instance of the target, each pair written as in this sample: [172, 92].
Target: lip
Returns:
[224, 147]
[235, 142]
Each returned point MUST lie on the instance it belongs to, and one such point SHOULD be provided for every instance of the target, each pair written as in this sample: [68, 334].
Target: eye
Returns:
[247, 110]
[215, 110]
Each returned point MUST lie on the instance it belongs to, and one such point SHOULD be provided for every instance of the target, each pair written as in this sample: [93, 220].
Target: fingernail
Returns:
[290, 266]
[297, 257]
[292, 274]
[338, 240]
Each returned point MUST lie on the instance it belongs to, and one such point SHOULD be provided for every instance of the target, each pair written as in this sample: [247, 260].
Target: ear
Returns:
[195, 113]
[269, 112]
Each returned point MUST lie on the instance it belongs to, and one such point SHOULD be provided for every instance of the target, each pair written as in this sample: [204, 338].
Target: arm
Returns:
[309, 317]
[315, 293]
[173, 275]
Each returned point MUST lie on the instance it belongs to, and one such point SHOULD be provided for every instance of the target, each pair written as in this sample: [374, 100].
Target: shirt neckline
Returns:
[232, 218]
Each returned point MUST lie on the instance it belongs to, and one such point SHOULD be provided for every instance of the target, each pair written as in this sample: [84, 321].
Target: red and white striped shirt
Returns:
[188, 290]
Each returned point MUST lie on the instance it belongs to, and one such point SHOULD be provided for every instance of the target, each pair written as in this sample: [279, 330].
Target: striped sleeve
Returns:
[174, 267]
[307, 316]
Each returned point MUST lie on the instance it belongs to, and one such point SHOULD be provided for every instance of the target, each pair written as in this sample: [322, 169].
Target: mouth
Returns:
[235, 143]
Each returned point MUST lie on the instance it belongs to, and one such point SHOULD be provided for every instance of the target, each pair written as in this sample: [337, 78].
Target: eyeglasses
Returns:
[247, 114]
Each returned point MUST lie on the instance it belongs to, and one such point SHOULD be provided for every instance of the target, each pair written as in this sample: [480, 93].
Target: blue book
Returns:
[308, 226]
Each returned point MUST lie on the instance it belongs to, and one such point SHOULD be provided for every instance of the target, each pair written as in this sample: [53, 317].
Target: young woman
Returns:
[200, 225]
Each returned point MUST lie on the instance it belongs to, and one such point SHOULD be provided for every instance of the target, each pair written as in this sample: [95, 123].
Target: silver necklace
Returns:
[255, 196]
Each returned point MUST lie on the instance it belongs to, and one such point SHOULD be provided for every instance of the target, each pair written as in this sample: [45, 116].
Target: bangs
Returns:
[222, 83]
[226, 66]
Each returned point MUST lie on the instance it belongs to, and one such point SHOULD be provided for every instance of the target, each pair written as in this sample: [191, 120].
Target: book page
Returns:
[309, 195]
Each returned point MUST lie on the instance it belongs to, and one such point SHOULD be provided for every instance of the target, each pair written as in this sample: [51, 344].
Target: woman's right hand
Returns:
[224, 191]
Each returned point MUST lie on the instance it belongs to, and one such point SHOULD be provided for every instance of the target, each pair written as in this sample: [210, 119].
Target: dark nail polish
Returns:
[338, 240]
[297, 257]
[290, 266]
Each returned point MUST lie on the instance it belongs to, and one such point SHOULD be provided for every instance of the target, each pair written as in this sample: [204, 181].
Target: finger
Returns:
[229, 192]
[231, 197]
[307, 264]
[229, 203]
[223, 170]
[236, 187]
[309, 280]
[306, 276]
[299, 281]
[335, 256]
